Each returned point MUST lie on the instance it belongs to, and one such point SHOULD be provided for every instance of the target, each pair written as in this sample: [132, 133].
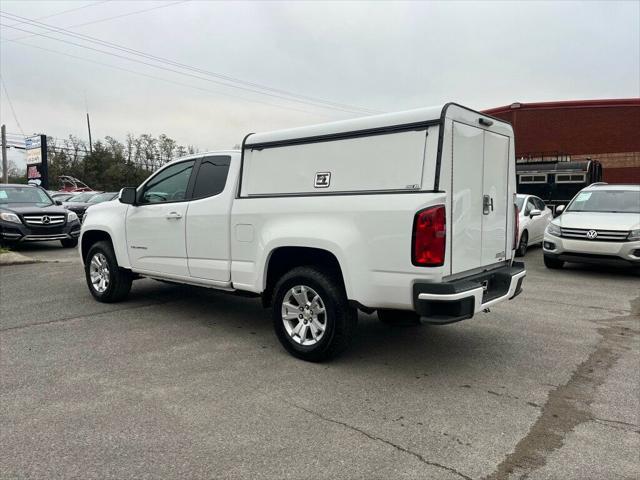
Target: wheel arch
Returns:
[91, 237]
[281, 259]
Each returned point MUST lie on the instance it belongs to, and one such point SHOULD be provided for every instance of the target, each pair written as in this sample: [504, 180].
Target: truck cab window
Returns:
[211, 177]
[170, 185]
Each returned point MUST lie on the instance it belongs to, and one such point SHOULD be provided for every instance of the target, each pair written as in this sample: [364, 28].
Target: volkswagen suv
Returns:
[600, 225]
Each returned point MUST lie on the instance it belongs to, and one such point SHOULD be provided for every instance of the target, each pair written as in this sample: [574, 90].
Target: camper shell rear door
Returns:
[478, 170]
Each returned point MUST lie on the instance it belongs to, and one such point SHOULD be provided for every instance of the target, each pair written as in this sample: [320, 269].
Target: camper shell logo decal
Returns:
[323, 179]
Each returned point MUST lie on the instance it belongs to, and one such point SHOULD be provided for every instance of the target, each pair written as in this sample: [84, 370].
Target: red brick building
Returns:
[603, 130]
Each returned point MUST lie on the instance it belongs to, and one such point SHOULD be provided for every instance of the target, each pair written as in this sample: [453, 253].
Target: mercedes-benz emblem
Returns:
[46, 220]
[592, 234]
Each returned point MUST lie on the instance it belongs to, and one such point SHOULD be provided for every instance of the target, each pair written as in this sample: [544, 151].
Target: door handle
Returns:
[173, 215]
[487, 204]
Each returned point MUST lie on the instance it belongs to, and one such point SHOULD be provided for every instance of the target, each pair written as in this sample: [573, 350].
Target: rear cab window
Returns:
[211, 177]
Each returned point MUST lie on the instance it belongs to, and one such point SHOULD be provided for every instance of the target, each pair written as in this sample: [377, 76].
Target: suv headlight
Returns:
[71, 216]
[10, 217]
[553, 229]
[634, 234]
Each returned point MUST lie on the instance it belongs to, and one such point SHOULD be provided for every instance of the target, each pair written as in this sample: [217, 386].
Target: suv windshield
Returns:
[610, 201]
[25, 195]
[519, 202]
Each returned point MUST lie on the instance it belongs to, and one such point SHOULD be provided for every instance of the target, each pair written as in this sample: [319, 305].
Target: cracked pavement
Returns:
[180, 382]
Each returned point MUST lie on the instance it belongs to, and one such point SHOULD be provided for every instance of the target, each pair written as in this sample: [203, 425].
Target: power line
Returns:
[100, 20]
[294, 97]
[165, 79]
[67, 11]
[127, 14]
[13, 111]
[235, 82]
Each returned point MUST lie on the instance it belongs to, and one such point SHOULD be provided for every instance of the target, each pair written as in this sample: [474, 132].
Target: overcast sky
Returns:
[360, 56]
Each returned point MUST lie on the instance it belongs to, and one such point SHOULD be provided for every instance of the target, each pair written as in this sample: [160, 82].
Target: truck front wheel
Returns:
[311, 315]
[107, 282]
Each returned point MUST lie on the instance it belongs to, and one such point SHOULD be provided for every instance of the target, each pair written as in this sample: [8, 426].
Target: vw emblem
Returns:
[46, 220]
[592, 234]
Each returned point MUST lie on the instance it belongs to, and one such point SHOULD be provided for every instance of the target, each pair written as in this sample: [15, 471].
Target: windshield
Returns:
[610, 201]
[102, 197]
[25, 195]
[519, 203]
[81, 197]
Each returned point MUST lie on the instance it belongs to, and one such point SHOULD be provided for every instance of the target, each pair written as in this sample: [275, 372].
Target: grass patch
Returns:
[4, 250]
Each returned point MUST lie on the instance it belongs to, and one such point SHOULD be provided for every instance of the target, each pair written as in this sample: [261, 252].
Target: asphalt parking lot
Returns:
[180, 382]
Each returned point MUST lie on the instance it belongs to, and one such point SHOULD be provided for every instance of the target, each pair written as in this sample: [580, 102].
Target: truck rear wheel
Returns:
[107, 282]
[311, 315]
[398, 317]
[522, 245]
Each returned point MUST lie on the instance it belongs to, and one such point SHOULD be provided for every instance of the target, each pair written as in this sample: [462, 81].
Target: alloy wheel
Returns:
[304, 315]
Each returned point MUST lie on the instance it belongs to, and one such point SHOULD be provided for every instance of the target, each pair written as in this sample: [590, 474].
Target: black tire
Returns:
[119, 283]
[7, 244]
[522, 245]
[340, 319]
[69, 242]
[399, 317]
[552, 263]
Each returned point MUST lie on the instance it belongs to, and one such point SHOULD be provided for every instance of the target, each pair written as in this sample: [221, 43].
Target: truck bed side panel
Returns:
[370, 235]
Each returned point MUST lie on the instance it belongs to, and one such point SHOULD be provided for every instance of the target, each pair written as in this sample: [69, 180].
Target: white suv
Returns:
[600, 225]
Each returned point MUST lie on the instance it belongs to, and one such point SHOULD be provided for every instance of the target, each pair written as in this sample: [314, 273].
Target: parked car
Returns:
[600, 225]
[103, 197]
[321, 221]
[82, 197]
[81, 207]
[29, 214]
[61, 196]
[79, 203]
[534, 218]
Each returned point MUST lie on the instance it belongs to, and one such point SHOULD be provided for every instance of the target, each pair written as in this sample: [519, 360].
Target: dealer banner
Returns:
[37, 167]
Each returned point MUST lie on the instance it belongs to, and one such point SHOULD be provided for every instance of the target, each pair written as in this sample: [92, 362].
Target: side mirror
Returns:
[58, 202]
[128, 195]
[534, 213]
[559, 210]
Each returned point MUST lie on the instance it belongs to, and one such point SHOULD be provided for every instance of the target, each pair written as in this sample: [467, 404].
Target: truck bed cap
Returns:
[385, 120]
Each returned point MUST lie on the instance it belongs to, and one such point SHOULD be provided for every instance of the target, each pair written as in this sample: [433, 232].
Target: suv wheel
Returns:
[311, 315]
[107, 282]
[399, 317]
[552, 263]
[522, 246]
[69, 242]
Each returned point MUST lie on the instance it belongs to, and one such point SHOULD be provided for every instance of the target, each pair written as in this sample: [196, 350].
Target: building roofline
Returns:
[612, 102]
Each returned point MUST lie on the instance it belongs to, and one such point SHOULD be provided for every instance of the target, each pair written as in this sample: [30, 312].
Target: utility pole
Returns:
[89, 127]
[5, 163]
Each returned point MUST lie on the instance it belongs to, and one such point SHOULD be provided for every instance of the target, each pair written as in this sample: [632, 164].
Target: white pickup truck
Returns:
[408, 214]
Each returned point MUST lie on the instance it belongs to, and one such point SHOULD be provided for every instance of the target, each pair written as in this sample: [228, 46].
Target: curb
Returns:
[14, 258]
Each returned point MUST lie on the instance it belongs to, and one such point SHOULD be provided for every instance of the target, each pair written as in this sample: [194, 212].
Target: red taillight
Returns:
[516, 227]
[429, 237]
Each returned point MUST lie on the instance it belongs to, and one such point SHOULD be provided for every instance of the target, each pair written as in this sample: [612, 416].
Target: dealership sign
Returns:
[37, 167]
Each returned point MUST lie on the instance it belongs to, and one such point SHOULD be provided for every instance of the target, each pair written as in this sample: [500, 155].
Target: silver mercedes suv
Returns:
[601, 224]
